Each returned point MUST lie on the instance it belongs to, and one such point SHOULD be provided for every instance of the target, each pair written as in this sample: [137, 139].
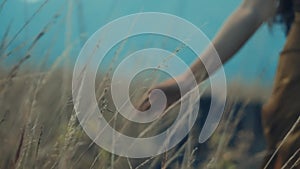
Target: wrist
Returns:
[187, 81]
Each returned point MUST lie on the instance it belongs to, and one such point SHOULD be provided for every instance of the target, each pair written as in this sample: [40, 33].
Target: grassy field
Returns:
[39, 128]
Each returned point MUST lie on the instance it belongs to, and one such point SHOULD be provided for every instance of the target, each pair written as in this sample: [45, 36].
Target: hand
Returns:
[170, 89]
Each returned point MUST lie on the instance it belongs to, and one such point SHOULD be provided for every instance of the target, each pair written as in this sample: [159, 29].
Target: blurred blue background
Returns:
[69, 23]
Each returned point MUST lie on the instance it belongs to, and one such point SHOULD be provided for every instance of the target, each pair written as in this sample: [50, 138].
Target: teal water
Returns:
[78, 20]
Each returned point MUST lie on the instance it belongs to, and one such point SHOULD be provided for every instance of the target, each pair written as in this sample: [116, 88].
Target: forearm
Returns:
[239, 27]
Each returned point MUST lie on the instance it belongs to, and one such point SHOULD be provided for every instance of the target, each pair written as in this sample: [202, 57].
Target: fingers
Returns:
[145, 105]
[156, 100]
[151, 98]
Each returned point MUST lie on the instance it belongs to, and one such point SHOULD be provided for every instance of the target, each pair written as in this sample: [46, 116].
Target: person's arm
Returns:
[238, 28]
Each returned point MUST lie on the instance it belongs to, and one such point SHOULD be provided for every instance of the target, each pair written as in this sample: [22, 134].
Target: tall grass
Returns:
[39, 129]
